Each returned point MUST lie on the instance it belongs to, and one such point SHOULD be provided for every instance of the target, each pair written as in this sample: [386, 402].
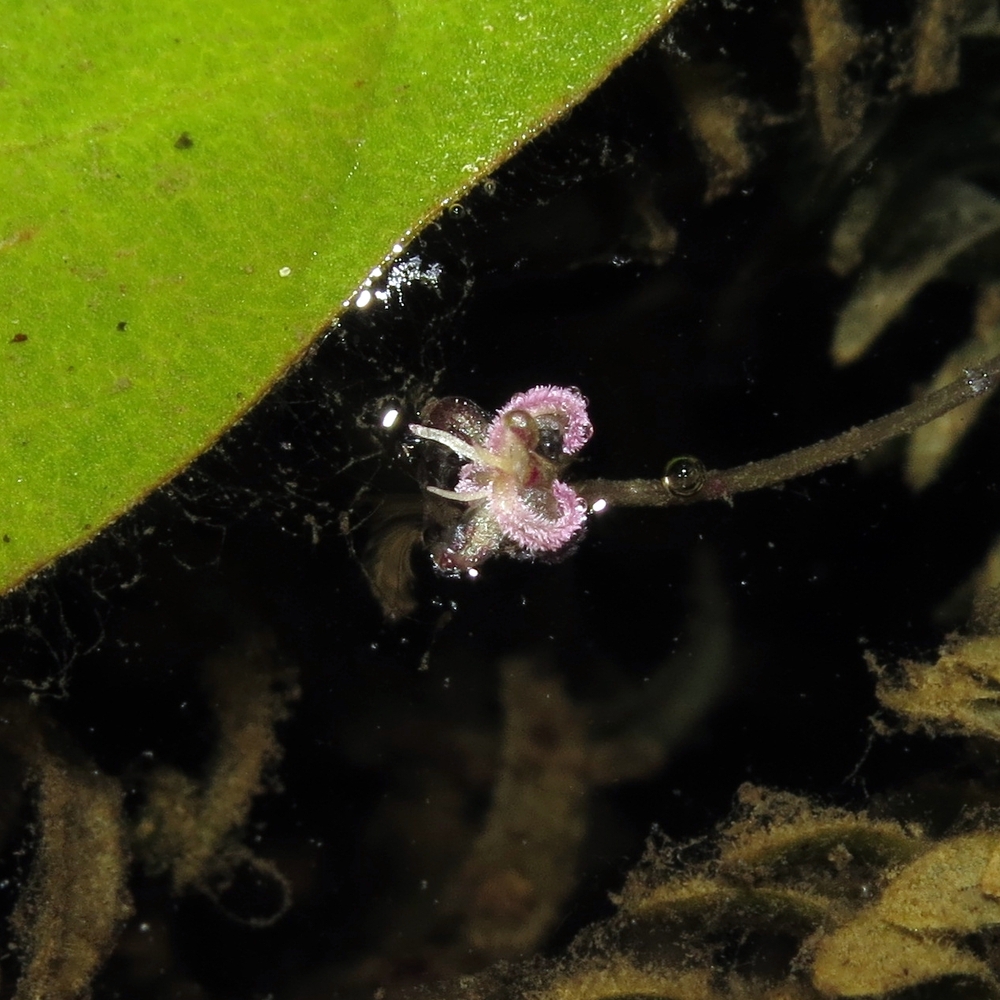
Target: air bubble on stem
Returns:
[978, 381]
[684, 476]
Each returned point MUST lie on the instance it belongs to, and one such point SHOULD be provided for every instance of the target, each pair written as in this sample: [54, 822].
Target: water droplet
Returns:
[978, 381]
[684, 476]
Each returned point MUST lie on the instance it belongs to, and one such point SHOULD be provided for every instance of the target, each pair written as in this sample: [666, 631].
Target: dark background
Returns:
[699, 328]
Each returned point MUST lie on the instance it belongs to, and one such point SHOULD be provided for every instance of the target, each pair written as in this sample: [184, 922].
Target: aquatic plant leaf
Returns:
[192, 828]
[949, 218]
[791, 911]
[714, 903]
[646, 722]
[785, 838]
[900, 941]
[511, 887]
[189, 192]
[622, 980]
[959, 694]
[715, 117]
[857, 218]
[869, 957]
[939, 26]
[75, 902]
[942, 890]
[840, 96]
[930, 446]
[983, 586]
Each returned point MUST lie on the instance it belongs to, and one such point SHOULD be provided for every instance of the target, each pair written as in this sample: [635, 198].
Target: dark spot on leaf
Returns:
[19, 338]
[122, 324]
[184, 141]
[6, 538]
[20, 237]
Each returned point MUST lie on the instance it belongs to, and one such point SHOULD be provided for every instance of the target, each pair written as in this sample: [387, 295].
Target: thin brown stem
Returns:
[722, 484]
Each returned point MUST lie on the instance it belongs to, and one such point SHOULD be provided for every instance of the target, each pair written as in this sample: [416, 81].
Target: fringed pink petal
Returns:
[530, 529]
[568, 405]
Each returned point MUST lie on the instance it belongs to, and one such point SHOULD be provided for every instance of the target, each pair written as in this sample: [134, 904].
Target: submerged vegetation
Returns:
[289, 789]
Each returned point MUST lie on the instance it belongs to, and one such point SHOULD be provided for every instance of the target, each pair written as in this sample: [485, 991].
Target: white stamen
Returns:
[461, 448]
[455, 495]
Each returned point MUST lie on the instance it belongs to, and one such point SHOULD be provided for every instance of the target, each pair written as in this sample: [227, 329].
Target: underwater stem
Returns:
[721, 484]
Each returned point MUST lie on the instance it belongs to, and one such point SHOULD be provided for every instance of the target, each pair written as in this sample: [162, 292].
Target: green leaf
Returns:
[189, 191]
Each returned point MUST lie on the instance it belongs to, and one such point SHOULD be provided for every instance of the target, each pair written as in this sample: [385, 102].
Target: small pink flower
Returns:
[514, 501]
[565, 407]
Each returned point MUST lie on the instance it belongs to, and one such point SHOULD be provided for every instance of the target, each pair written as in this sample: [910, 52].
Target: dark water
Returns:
[693, 328]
